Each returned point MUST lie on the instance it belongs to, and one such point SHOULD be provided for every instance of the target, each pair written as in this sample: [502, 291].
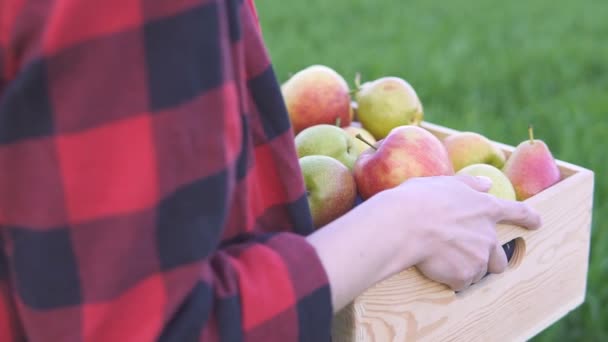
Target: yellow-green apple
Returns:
[407, 151]
[467, 148]
[330, 188]
[531, 168]
[386, 103]
[359, 145]
[501, 185]
[317, 95]
[327, 140]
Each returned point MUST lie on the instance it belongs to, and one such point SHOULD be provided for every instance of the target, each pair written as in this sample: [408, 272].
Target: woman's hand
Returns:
[446, 226]
[453, 226]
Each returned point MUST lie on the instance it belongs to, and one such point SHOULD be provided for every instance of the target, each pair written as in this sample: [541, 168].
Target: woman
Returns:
[151, 189]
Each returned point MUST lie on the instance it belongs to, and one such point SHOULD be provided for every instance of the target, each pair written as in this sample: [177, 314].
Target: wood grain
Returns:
[548, 282]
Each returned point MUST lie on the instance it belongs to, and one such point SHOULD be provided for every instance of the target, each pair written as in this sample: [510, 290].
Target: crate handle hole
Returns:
[515, 250]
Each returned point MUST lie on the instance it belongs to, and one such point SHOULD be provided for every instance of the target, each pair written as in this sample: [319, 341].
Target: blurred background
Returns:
[487, 66]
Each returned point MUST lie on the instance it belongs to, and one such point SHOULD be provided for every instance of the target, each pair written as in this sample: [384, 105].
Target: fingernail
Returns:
[485, 181]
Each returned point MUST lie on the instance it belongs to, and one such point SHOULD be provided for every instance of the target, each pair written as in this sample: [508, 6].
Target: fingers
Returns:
[517, 213]
[498, 260]
[479, 183]
[482, 273]
[513, 212]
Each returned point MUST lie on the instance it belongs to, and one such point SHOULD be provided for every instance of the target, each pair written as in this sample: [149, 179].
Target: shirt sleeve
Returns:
[271, 290]
[123, 149]
[8, 317]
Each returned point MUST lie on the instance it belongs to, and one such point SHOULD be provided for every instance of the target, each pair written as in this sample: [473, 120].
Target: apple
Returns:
[501, 185]
[467, 148]
[317, 95]
[359, 145]
[330, 187]
[327, 140]
[407, 151]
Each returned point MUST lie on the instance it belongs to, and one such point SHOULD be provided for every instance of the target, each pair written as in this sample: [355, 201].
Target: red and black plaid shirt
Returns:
[149, 186]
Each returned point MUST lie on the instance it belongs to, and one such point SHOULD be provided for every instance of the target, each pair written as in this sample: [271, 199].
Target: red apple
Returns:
[407, 151]
[317, 95]
[330, 188]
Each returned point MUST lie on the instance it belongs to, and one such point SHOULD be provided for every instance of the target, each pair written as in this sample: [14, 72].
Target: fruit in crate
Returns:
[407, 151]
[386, 103]
[354, 106]
[531, 167]
[317, 95]
[359, 145]
[501, 185]
[327, 140]
[330, 187]
[467, 148]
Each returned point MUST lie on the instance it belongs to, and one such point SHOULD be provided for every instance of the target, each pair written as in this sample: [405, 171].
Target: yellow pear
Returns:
[386, 103]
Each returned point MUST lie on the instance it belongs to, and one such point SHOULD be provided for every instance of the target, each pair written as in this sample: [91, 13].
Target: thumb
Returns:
[479, 183]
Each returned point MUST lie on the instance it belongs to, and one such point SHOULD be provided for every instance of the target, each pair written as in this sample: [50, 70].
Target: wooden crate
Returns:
[546, 279]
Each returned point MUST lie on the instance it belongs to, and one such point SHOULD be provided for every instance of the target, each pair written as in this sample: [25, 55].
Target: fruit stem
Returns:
[360, 137]
[531, 133]
[338, 121]
[357, 84]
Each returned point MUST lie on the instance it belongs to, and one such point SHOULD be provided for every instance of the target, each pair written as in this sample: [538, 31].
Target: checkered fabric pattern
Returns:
[149, 186]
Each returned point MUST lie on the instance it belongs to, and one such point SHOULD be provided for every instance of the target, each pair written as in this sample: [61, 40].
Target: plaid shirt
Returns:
[149, 186]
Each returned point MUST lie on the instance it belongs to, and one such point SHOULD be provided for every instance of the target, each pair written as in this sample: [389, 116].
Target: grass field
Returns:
[487, 66]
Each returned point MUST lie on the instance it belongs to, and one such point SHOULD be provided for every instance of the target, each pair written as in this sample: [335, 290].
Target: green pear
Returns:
[531, 168]
[386, 103]
[330, 187]
[467, 148]
[327, 140]
[501, 185]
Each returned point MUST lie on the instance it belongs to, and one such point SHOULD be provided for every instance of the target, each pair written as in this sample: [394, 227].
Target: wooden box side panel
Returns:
[515, 305]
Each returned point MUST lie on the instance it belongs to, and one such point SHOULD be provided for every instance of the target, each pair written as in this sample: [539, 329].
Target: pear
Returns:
[531, 168]
[501, 185]
[386, 103]
[467, 148]
[327, 140]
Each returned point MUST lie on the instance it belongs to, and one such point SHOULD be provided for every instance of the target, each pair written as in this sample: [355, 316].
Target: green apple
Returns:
[467, 148]
[327, 140]
[501, 186]
[330, 187]
[359, 145]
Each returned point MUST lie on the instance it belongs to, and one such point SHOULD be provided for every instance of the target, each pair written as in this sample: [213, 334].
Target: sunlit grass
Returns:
[488, 66]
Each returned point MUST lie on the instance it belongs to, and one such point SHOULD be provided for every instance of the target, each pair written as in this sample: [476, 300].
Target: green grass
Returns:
[487, 66]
